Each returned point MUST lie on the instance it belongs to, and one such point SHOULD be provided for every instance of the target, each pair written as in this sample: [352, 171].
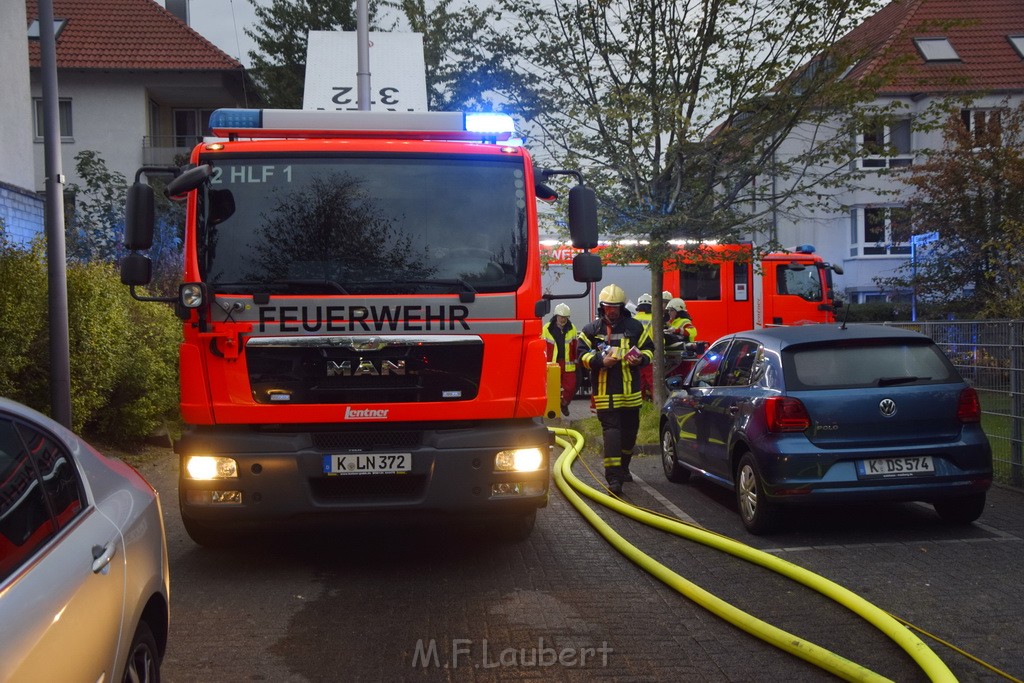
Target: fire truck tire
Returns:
[204, 535]
[516, 528]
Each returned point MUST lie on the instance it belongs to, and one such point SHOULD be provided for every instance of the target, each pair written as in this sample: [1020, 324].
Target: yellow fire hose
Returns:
[927, 660]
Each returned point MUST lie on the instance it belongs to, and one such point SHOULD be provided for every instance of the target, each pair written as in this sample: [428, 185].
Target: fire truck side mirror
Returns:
[188, 181]
[136, 270]
[582, 219]
[586, 267]
[138, 218]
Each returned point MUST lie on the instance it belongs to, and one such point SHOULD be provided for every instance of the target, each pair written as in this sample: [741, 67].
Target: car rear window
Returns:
[869, 364]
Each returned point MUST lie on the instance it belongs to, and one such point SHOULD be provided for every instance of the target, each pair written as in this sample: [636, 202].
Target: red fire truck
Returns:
[731, 293]
[362, 311]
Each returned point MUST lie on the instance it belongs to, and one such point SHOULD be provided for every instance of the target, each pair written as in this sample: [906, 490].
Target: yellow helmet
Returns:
[563, 309]
[612, 294]
[676, 304]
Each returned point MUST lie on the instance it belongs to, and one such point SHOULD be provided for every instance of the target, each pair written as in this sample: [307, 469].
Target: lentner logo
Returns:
[365, 414]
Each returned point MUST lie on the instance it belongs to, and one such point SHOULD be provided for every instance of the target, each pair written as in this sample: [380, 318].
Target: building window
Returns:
[886, 145]
[64, 113]
[879, 231]
[984, 125]
[190, 125]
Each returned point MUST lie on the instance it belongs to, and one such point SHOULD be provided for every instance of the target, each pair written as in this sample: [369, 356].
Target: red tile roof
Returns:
[127, 35]
[977, 30]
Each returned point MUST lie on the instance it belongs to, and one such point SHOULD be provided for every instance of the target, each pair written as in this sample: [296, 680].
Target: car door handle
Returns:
[102, 555]
[733, 410]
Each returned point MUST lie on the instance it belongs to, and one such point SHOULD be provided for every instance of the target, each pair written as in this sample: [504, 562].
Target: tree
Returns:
[279, 66]
[96, 228]
[972, 193]
[674, 109]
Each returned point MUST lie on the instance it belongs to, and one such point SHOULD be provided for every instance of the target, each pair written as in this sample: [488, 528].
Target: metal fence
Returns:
[990, 355]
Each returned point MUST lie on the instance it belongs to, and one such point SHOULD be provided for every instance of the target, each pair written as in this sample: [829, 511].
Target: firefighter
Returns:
[643, 314]
[561, 337]
[614, 348]
[679, 322]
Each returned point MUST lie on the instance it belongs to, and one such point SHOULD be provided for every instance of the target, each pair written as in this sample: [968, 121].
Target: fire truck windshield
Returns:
[804, 282]
[362, 224]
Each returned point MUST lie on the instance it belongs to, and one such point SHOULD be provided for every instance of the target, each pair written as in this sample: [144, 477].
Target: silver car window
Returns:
[25, 521]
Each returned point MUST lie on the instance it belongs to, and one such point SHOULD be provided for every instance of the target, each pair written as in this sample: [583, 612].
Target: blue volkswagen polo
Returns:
[817, 414]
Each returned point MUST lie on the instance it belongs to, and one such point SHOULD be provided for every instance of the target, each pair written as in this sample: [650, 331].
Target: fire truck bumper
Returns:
[243, 477]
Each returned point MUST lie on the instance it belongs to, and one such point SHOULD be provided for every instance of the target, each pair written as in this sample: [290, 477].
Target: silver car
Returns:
[83, 559]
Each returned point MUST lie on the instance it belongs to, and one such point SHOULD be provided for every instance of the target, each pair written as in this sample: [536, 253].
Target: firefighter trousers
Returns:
[619, 427]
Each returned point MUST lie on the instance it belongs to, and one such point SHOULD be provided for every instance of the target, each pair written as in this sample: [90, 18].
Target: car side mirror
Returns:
[675, 383]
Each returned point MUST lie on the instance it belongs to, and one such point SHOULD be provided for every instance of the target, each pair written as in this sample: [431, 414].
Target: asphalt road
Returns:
[436, 604]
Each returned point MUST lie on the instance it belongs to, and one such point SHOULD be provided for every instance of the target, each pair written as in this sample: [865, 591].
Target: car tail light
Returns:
[784, 414]
[968, 407]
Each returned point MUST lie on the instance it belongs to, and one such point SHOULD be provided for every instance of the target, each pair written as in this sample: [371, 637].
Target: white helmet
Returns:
[563, 309]
[676, 304]
[644, 298]
[666, 295]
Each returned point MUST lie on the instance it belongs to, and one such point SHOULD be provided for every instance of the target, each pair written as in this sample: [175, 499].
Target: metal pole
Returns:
[363, 55]
[56, 255]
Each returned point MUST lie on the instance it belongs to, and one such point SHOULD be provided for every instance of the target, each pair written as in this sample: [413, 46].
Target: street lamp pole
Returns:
[56, 254]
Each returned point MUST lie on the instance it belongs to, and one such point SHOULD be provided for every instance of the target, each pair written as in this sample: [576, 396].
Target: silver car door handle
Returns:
[733, 410]
[102, 556]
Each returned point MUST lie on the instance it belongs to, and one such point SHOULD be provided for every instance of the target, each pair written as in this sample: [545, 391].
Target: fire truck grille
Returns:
[366, 441]
[368, 487]
[286, 372]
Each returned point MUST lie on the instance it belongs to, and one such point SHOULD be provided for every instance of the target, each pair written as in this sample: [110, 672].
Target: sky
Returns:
[222, 22]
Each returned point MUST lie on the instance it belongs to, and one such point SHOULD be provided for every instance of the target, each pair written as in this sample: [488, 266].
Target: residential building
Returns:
[21, 208]
[943, 48]
[135, 83]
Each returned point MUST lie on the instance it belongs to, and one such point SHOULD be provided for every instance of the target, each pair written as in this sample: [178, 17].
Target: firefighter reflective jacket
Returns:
[561, 343]
[616, 386]
[684, 327]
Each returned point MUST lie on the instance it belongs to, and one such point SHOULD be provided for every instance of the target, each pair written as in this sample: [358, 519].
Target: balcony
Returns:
[167, 150]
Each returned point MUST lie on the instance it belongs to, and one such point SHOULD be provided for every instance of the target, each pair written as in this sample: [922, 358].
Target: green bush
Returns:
[22, 318]
[123, 353]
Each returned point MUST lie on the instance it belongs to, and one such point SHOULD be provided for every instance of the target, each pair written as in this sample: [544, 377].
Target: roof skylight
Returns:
[936, 49]
[1018, 44]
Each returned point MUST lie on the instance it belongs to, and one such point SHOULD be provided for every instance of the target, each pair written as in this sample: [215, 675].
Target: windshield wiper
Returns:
[312, 282]
[277, 286]
[467, 295]
[904, 379]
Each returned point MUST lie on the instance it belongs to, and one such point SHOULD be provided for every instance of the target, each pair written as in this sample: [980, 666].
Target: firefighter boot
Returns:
[626, 459]
[614, 479]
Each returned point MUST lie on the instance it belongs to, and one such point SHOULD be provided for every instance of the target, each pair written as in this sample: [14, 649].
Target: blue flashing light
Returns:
[483, 122]
[236, 118]
[805, 249]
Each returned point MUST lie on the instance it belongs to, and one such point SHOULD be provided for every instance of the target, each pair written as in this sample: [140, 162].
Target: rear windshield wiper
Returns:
[903, 379]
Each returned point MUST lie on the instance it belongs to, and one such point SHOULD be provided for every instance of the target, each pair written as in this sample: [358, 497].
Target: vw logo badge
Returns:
[887, 407]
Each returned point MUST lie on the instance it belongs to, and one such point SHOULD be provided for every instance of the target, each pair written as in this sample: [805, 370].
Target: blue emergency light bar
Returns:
[308, 123]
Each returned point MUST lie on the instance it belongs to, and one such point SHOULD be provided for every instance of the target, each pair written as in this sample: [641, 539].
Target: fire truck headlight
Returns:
[191, 295]
[519, 460]
[205, 467]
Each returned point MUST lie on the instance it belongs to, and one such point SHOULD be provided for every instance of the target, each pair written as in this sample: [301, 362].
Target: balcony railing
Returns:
[167, 150]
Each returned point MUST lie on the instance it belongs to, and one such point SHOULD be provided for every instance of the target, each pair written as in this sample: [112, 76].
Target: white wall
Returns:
[16, 160]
